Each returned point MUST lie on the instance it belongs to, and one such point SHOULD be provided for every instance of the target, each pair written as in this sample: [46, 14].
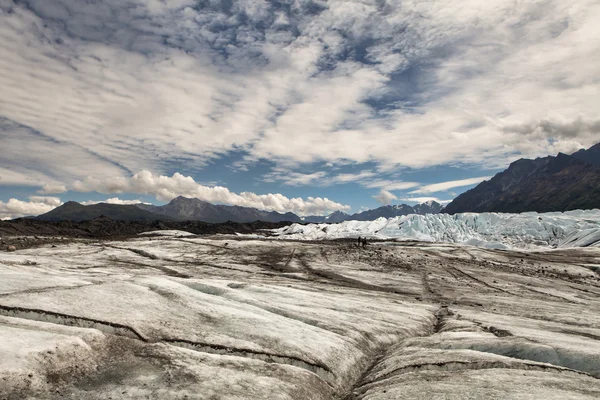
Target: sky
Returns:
[306, 106]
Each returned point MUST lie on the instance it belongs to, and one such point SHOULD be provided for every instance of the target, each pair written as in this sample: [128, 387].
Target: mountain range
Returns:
[192, 209]
[397, 210]
[554, 183]
[73, 211]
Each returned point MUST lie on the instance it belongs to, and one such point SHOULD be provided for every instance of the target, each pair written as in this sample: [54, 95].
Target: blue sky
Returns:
[300, 105]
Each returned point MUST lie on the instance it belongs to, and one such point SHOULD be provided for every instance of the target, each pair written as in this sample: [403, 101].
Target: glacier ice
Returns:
[580, 228]
[218, 317]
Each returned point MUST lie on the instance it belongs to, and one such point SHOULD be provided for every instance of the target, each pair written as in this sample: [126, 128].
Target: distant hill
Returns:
[333, 218]
[561, 183]
[73, 211]
[385, 212]
[430, 207]
[183, 208]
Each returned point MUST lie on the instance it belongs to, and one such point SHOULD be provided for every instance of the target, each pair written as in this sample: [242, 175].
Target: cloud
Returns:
[556, 129]
[51, 201]
[176, 83]
[391, 184]
[53, 188]
[443, 186]
[30, 157]
[384, 197]
[319, 178]
[425, 199]
[291, 178]
[166, 188]
[114, 200]
[14, 208]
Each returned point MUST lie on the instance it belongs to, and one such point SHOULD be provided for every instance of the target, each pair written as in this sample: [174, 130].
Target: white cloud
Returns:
[319, 178]
[384, 197]
[443, 186]
[166, 188]
[31, 158]
[52, 188]
[14, 208]
[360, 177]
[114, 200]
[425, 199]
[164, 81]
[391, 184]
[51, 201]
[291, 178]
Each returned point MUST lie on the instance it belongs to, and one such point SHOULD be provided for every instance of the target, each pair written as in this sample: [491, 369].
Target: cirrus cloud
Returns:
[444, 186]
[396, 83]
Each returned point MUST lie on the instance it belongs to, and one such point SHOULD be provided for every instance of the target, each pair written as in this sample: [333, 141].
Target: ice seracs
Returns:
[167, 232]
[495, 230]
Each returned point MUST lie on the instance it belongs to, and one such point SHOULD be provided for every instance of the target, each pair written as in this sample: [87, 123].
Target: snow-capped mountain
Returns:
[333, 218]
[396, 210]
[429, 207]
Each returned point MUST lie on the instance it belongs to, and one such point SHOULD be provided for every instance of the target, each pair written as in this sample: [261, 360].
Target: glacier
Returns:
[580, 228]
[204, 317]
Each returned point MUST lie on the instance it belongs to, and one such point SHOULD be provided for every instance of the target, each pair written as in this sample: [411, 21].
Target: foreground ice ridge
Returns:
[492, 230]
[170, 316]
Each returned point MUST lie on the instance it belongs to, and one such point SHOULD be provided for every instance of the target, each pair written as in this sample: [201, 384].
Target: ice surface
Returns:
[493, 230]
[170, 317]
[167, 232]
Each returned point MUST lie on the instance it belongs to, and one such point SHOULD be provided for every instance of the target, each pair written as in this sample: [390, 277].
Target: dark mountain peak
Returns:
[186, 200]
[563, 156]
[73, 211]
[72, 204]
[527, 164]
[396, 210]
[194, 209]
[428, 207]
[333, 218]
[590, 156]
[554, 183]
[337, 214]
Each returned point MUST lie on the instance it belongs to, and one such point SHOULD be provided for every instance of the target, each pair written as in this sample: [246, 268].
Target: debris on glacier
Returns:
[224, 317]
